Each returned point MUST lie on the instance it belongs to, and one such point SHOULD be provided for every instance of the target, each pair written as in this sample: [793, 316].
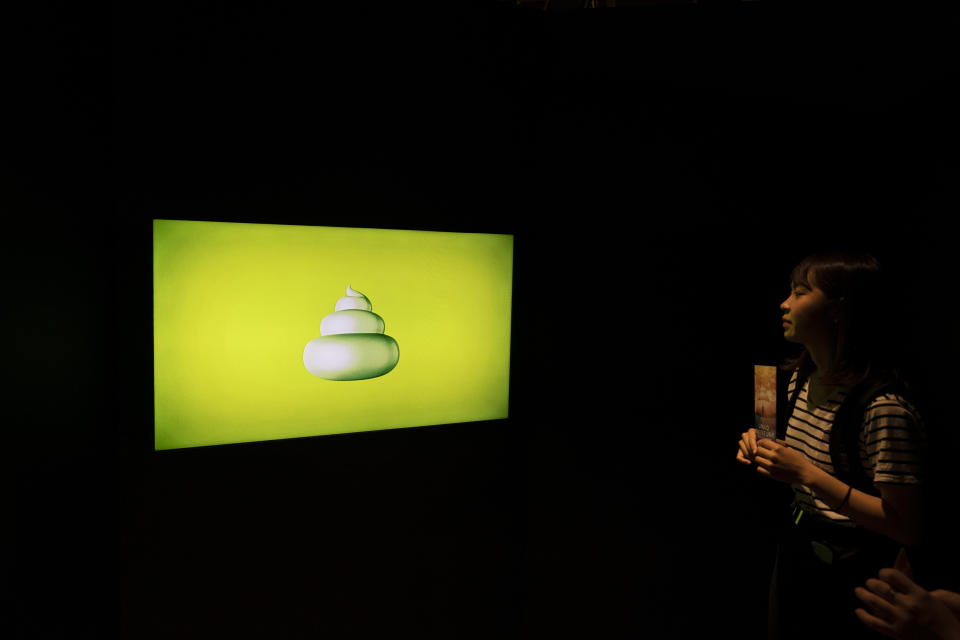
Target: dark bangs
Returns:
[801, 273]
[838, 274]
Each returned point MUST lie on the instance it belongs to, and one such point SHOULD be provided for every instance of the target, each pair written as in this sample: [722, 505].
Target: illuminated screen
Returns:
[265, 332]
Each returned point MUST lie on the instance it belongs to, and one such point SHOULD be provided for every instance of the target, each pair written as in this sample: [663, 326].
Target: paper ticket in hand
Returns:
[765, 401]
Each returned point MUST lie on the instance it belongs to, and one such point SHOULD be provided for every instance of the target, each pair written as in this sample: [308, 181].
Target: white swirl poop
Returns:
[352, 345]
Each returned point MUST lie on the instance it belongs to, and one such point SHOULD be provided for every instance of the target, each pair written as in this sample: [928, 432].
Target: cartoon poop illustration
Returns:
[352, 345]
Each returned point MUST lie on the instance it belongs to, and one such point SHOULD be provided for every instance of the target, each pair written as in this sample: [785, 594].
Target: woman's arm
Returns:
[895, 514]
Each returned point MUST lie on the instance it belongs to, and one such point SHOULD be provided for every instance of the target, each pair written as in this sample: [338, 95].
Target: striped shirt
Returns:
[892, 441]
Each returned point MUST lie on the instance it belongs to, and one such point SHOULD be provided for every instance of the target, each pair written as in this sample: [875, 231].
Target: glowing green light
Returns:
[236, 307]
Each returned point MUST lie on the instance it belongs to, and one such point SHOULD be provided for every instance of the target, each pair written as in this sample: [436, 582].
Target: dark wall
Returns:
[663, 168]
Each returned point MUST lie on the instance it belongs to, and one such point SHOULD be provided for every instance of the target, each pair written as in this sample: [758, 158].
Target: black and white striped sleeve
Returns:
[894, 441]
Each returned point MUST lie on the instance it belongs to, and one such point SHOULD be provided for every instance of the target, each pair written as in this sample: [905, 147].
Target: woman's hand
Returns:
[901, 609]
[748, 446]
[783, 463]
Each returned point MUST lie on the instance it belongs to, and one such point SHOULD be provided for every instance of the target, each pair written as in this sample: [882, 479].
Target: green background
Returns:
[235, 304]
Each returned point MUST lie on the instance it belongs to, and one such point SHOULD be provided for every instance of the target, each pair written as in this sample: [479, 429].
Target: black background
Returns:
[663, 167]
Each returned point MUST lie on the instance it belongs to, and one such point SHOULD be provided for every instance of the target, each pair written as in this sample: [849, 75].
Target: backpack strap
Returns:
[802, 375]
[846, 432]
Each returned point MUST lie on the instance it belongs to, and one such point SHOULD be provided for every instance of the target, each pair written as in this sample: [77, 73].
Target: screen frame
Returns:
[134, 400]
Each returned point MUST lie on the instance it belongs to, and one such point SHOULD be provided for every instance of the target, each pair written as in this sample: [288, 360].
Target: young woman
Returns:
[838, 535]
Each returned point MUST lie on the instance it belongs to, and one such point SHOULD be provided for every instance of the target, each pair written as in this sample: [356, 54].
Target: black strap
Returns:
[846, 431]
[802, 375]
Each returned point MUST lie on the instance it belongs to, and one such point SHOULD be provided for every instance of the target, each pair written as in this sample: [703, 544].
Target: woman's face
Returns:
[809, 316]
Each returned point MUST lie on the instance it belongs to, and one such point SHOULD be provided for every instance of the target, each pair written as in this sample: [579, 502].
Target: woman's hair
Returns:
[868, 340]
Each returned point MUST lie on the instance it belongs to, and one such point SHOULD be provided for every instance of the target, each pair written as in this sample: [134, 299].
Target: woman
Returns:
[839, 535]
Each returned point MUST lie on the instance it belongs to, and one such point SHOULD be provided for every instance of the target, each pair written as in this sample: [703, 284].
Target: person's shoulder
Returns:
[888, 393]
[892, 409]
[891, 401]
